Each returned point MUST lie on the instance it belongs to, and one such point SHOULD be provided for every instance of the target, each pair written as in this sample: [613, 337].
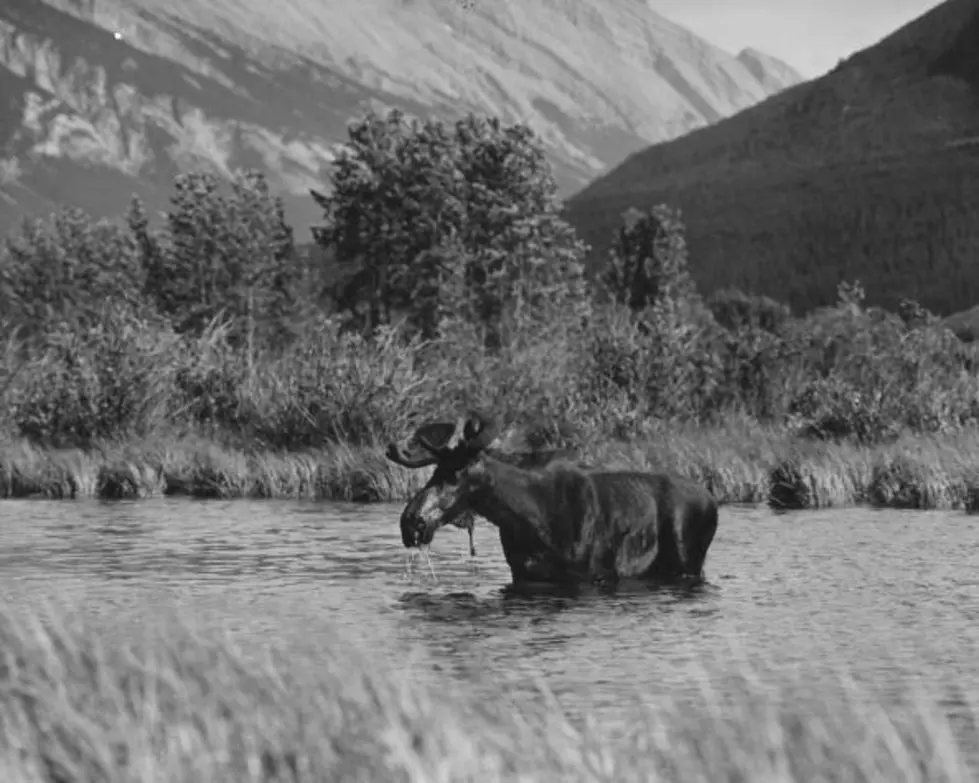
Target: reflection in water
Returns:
[890, 596]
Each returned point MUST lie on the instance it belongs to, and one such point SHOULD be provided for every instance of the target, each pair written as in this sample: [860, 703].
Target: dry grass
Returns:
[742, 463]
[198, 467]
[182, 705]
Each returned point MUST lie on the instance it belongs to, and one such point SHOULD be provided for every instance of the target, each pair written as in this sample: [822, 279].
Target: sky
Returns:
[810, 35]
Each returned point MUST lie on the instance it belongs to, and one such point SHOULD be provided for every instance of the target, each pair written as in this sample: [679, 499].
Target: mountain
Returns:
[870, 172]
[103, 98]
[771, 73]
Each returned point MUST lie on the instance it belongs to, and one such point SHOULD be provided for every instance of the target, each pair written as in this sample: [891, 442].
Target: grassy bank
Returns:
[193, 466]
[739, 463]
[186, 705]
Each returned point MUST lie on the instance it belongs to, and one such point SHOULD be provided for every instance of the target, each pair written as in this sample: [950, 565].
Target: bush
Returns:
[111, 379]
[736, 311]
[339, 387]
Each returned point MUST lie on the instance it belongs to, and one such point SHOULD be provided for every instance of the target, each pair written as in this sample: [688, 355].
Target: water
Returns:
[890, 596]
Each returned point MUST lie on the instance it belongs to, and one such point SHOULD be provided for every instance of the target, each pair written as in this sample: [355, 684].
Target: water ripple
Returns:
[889, 595]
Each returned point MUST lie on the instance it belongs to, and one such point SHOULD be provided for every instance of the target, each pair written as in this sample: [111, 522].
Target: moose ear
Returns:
[479, 425]
[479, 430]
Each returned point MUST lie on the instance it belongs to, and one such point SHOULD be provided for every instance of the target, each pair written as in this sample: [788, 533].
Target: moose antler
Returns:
[472, 433]
[418, 450]
[436, 440]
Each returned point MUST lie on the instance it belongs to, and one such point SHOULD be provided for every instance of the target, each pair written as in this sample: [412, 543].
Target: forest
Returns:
[869, 172]
[794, 234]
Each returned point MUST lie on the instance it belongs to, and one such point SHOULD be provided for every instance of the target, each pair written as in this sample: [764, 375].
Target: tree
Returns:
[459, 220]
[229, 254]
[64, 269]
[648, 262]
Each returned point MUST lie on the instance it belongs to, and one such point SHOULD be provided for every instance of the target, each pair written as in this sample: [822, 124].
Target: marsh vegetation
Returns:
[214, 356]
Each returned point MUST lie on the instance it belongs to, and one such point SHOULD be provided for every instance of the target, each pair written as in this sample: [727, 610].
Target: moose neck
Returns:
[515, 501]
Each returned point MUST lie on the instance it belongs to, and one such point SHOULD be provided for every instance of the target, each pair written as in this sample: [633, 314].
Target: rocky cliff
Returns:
[103, 98]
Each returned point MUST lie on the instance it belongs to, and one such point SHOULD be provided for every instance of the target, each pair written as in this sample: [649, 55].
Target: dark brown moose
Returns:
[558, 522]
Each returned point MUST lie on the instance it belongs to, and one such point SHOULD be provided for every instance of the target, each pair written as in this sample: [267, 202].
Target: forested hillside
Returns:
[870, 172]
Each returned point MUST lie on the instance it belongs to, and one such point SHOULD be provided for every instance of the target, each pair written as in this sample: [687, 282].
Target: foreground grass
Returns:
[181, 705]
[739, 464]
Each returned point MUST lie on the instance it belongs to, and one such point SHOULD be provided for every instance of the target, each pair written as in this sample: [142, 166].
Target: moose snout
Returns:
[410, 535]
[412, 531]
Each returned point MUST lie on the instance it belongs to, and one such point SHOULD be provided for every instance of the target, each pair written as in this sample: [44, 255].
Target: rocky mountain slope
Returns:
[103, 98]
[870, 172]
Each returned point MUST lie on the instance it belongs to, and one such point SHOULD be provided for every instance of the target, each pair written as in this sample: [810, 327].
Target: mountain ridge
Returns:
[109, 98]
[864, 173]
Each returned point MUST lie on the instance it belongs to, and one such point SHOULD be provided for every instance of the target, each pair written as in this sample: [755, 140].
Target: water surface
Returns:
[889, 596]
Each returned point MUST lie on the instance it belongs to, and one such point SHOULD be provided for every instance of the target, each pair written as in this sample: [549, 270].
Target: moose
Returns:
[558, 522]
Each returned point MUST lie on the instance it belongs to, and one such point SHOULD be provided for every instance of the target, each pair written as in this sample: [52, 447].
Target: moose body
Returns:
[559, 522]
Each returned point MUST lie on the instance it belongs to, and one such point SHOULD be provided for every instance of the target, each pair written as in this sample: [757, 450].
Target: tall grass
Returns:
[129, 408]
[181, 704]
[739, 463]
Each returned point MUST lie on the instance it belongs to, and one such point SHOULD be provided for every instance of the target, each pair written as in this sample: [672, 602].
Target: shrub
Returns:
[338, 387]
[736, 311]
[114, 378]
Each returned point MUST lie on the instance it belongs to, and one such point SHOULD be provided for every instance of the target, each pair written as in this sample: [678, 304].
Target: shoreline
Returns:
[750, 465]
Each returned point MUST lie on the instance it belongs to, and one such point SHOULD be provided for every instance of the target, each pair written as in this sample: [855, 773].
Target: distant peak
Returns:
[765, 66]
[751, 54]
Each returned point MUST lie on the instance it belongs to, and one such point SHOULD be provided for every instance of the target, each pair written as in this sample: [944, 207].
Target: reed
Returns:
[738, 463]
[179, 703]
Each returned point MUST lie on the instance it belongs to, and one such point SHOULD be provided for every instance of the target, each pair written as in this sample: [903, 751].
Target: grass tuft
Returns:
[129, 481]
